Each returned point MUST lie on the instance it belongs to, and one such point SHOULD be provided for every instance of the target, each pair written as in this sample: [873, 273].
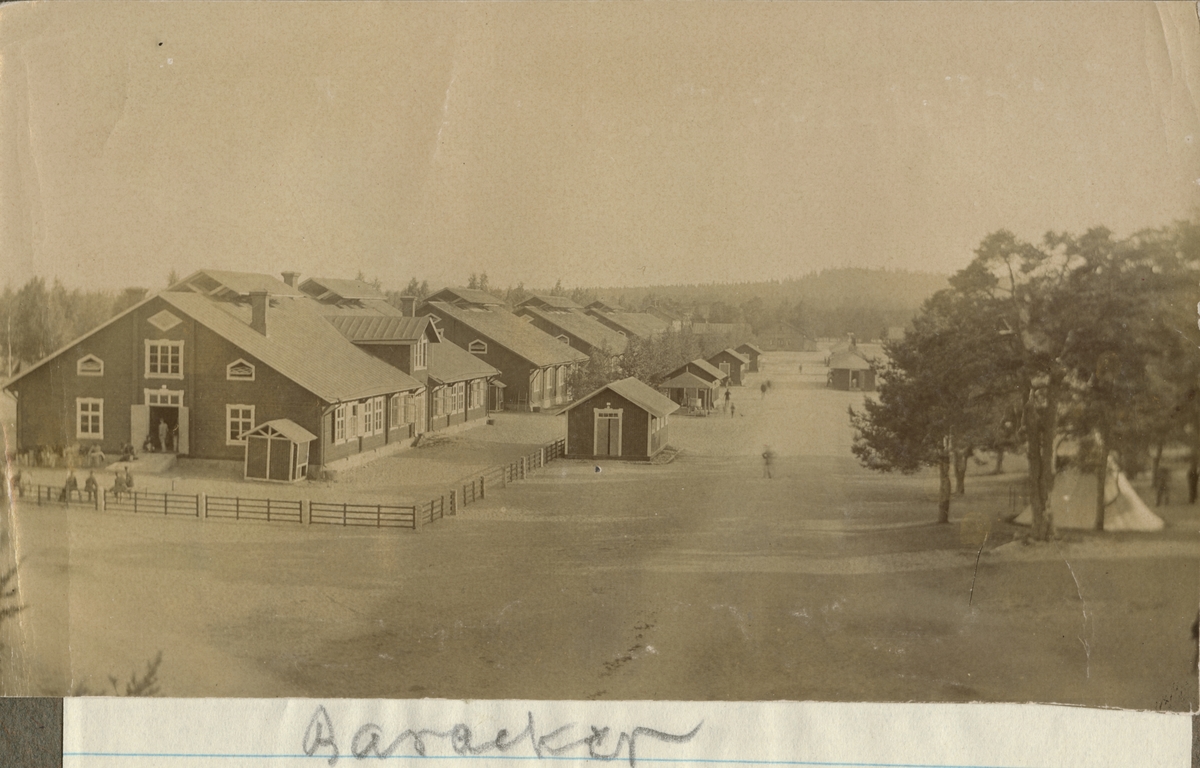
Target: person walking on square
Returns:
[768, 460]
[1162, 487]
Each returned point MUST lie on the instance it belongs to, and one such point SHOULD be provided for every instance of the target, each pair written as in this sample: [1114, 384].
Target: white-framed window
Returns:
[439, 401]
[421, 354]
[239, 370]
[339, 424]
[410, 409]
[536, 386]
[164, 359]
[164, 396]
[477, 347]
[394, 411]
[378, 416]
[239, 419]
[89, 365]
[89, 418]
[460, 397]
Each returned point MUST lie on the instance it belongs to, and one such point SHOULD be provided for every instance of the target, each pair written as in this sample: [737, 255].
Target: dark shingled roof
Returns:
[301, 345]
[365, 329]
[512, 333]
[732, 353]
[640, 394]
[449, 363]
[702, 365]
[585, 327]
[342, 289]
[757, 349]
[686, 380]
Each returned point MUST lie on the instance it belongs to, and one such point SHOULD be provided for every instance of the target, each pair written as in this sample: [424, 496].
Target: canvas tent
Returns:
[1073, 503]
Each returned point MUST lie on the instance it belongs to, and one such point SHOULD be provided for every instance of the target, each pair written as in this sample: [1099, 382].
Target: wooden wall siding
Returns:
[839, 378]
[635, 426]
[514, 370]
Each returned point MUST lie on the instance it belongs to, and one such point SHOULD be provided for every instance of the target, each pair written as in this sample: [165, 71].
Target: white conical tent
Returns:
[1073, 503]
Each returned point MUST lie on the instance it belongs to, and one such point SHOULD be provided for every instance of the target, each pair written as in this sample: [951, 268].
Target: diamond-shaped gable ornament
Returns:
[164, 320]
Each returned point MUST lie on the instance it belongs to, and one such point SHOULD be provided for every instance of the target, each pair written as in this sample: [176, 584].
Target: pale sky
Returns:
[600, 143]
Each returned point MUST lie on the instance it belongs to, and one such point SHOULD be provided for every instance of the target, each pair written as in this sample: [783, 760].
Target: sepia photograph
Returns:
[839, 352]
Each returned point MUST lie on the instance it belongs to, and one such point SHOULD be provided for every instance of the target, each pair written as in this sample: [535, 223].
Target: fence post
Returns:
[134, 495]
[344, 523]
[38, 488]
[268, 509]
[453, 506]
[166, 505]
[102, 500]
[378, 515]
[522, 477]
[237, 507]
[202, 505]
[482, 492]
[305, 512]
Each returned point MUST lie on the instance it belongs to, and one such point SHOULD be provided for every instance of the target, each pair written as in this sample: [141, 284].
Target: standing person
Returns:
[1162, 487]
[118, 488]
[732, 410]
[768, 459]
[163, 431]
[1193, 480]
[175, 438]
[128, 480]
[69, 487]
[91, 487]
[762, 388]
[725, 409]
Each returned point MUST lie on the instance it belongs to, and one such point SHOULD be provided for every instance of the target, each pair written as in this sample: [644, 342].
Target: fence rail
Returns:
[372, 515]
[265, 510]
[466, 491]
[145, 502]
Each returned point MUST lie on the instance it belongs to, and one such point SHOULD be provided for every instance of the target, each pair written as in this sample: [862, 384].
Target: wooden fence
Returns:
[466, 491]
[372, 515]
[263, 510]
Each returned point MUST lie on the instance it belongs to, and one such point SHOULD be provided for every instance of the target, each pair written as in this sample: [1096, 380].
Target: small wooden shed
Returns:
[753, 352]
[731, 363]
[625, 419]
[692, 392]
[277, 451]
[850, 371]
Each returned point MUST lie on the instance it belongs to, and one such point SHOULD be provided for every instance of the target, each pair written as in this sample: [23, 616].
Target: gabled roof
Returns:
[335, 288]
[301, 345]
[640, 324]
[686, 380]
[600, 305]
[286, 427]
[555, 302]
[640, 394]
[512, 333]
[356, 307]
[732, 353]
[585, 327]
[466, 296]
[749, 346]
[701, 365]
[380, 329]
[847, 360]
[217, 282]
[449, 363]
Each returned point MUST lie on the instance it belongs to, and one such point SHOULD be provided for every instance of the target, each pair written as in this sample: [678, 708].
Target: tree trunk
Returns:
[1158, 452]
[944, 488]
[1101, 470]
[999, 468]
[1039, 430]
[960, 471]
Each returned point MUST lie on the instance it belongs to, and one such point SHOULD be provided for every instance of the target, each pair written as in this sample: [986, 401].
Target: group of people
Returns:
[168, 438]
[122, 484]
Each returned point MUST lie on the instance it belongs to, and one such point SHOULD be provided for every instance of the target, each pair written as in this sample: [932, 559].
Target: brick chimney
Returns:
[290, 278]
[408, 306]
[259, 303]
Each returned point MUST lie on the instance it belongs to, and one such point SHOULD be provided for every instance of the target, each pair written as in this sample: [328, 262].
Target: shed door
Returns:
[280, 458]
[256, 456]
[608, 431]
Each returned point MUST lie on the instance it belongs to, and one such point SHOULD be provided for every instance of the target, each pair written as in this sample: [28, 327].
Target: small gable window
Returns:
[478, 347]
[89, 365]
[239, 370]
[564, 339]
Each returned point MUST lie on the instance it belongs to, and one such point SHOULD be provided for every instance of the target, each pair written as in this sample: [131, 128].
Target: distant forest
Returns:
[40, 317]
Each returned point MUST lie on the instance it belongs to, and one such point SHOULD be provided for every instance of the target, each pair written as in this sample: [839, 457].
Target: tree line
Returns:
[1083, 339]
